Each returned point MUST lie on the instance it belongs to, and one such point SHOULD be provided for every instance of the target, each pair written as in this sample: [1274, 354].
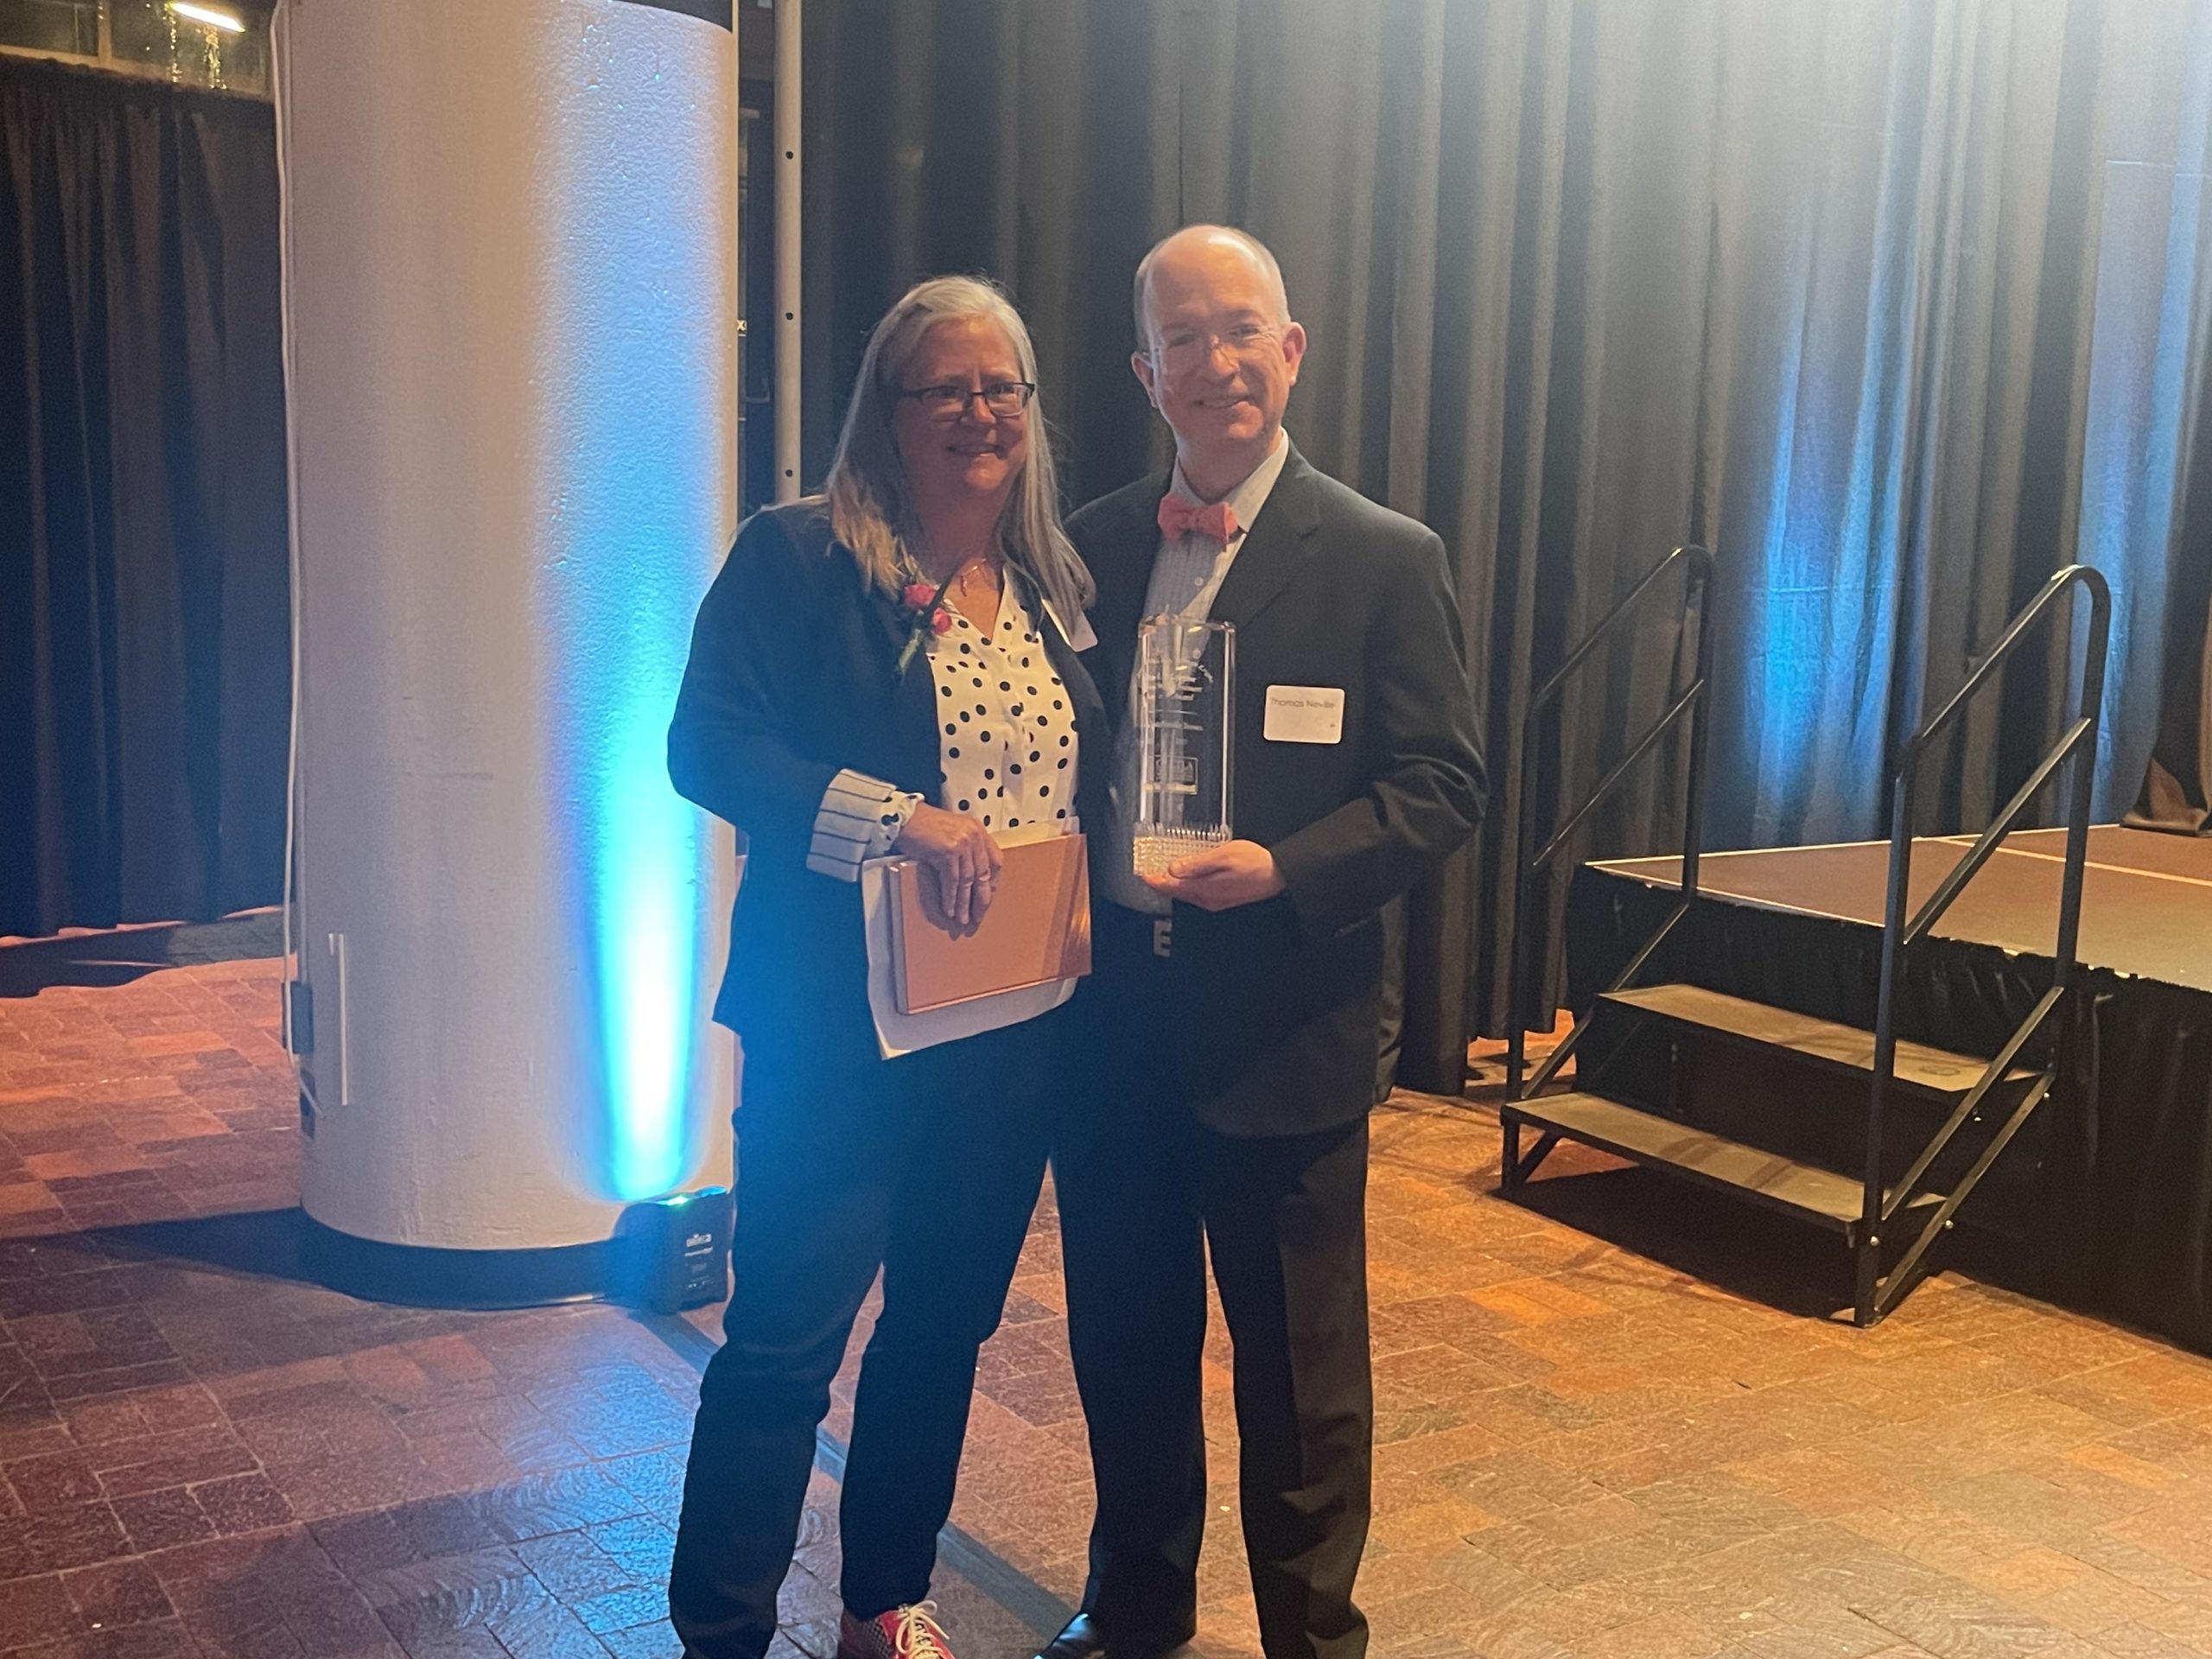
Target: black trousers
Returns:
[1144, 1189]
[927, 1166]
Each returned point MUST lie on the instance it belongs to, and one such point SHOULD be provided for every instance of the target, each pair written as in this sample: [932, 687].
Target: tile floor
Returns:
[1615, 1421]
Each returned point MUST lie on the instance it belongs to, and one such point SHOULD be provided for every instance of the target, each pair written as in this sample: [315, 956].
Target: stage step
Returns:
[1801, 1189]
[1824, 1042]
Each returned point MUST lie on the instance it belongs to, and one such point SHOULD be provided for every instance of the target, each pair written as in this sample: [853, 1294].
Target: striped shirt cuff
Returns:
[860, 818]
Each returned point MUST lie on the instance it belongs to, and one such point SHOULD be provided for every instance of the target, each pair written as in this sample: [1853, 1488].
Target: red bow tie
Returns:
[1178, 518]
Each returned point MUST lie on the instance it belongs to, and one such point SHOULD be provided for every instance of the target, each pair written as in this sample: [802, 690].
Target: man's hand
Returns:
[1221, 878]
[960, 866]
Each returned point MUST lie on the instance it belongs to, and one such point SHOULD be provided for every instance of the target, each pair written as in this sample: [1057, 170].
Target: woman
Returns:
[833, 713]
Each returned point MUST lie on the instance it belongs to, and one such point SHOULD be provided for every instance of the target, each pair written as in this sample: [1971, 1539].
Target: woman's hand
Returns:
[960, 865]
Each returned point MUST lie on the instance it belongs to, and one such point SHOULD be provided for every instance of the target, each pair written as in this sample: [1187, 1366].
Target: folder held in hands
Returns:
[1036, 931]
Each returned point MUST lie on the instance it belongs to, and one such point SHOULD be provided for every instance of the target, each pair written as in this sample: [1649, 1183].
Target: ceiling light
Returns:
[211, 15]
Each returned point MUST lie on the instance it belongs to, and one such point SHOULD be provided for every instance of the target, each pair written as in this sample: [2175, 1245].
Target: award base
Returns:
[1155, 851]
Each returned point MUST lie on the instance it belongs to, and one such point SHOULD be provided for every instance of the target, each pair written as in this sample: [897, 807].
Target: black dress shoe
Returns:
[1085, 1639]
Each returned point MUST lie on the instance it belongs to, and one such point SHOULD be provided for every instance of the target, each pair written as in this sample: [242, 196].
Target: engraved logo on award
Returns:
[1186, 717]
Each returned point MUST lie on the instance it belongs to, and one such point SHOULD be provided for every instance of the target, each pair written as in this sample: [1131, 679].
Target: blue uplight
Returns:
[637, 848]
[647, 895]
[635, 376]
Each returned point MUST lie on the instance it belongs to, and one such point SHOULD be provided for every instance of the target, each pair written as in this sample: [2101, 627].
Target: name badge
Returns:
[1305, 714]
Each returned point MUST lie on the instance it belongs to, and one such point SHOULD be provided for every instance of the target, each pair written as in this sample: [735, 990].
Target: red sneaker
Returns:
[903, 1633]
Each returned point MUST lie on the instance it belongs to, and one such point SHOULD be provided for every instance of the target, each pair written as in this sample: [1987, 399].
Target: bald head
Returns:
[1197, 247]
[1217, 350]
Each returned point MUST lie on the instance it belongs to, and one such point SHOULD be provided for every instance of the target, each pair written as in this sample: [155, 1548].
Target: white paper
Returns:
[898, 1033]
[1305, 714]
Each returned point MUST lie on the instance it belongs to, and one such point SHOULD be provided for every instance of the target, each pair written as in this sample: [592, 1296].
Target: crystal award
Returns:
[1185, 718]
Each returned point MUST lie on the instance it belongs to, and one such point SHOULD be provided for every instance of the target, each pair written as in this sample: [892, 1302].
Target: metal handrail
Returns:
[2074, 748]
[1697, 564]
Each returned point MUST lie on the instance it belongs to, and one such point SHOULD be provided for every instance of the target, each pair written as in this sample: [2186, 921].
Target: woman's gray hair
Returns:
[869, 506]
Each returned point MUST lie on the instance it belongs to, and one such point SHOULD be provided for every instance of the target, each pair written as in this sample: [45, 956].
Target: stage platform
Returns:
[2111, 1189]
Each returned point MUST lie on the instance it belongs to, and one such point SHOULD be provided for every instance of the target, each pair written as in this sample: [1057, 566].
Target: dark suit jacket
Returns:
[794, 677]
[1282, 999]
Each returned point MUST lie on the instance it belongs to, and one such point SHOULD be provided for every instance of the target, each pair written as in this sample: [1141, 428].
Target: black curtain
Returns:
[1896, 306]
[2177, 786]
[144, 669]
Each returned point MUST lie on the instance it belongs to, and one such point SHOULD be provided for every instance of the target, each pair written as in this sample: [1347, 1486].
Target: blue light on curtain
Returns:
[1893, 274]
[1824, 525]
[2152, 301]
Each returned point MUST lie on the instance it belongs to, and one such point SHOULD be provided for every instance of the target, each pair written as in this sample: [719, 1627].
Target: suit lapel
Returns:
[910, 695]
[887, 618]
[1125, 574]
[1276, 547]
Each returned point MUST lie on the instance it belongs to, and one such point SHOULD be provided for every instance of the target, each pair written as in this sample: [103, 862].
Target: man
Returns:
[1238, 996]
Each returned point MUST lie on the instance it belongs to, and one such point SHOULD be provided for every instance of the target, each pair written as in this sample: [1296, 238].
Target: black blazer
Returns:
[794, 677]
[1282, 999]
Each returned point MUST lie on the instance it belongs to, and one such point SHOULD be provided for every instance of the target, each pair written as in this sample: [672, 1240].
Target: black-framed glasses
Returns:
[950, 403]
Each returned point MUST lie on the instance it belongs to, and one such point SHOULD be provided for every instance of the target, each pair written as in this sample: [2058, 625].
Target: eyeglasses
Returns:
[1002, 398]
[1180, 348]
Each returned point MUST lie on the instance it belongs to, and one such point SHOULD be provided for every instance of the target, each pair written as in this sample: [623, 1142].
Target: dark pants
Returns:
[927, 1166]
[1143, 1189]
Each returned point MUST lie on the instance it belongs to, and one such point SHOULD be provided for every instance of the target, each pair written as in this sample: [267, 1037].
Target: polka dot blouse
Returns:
[1006, 725]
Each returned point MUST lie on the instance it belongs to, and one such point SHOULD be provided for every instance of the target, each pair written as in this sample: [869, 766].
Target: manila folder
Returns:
[1036, 931]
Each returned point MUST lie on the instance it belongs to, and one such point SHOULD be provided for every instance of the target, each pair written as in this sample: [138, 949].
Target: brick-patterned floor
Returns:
[1655, 1447]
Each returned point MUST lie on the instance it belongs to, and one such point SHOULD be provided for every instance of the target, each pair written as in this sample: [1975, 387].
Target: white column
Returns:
[510, 333]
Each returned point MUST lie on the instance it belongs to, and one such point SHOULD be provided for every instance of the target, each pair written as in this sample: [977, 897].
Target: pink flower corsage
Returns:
[925, 610]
